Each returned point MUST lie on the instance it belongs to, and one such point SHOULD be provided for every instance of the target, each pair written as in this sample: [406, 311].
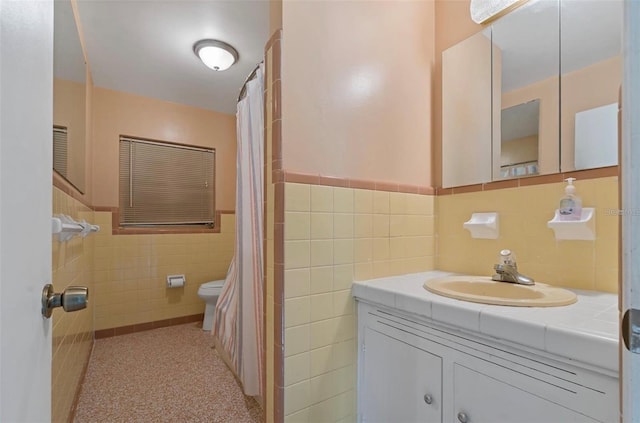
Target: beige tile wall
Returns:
[130, 272]
[333, 236]
[336, 235]
[72, 332]
[523, 214]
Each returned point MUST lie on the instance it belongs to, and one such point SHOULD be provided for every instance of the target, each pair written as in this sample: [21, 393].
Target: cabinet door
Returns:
[483, 399]
[466, 111]
[399, 382]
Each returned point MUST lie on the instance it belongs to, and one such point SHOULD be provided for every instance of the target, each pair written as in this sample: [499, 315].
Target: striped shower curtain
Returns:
[238, 318]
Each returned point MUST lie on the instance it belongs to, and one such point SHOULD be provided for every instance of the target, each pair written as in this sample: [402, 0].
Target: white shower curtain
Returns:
[238, 319]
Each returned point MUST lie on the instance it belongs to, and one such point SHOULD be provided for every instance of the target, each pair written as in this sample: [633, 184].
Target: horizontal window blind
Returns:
[165, 184]
[60, 150]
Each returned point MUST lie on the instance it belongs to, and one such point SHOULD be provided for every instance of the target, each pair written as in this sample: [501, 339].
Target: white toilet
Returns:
[209, 292]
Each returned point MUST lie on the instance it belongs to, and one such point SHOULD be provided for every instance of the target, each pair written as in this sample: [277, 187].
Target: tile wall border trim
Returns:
[553, 178]
[116, 229]
[65, 186]
[277, 35]
[303, 178]
[265, 241]
[277, 413]
[60, 183]
[140, 327]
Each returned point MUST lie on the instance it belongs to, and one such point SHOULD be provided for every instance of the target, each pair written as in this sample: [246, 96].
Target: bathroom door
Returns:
[630, 175]
[26, 118]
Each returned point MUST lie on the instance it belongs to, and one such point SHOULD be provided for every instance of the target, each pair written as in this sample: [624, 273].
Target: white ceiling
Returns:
[68, 60]
[146, 47]
[520, 121]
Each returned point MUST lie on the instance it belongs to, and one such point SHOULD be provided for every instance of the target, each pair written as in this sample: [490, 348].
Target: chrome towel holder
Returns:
[66, 227]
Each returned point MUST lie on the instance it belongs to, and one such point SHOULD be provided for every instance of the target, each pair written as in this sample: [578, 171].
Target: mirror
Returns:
[505, 76]
[519, 140]
[591, 76]
[526, 107]
[466, 111]
[69, 97]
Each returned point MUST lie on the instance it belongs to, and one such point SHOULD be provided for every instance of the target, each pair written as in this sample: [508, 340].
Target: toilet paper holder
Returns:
[176, 281]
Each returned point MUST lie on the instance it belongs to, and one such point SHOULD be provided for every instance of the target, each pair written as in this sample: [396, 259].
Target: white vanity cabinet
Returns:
[400, 390]
[413, 369]
[480, 398]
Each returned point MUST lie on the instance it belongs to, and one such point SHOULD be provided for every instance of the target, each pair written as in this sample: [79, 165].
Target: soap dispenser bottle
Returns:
[570, 204]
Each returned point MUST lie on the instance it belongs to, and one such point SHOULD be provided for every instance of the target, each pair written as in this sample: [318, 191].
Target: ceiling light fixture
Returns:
[215, 54]
[484, 11]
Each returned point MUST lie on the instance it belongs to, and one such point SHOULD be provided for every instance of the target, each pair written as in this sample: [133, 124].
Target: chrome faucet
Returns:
[507, 270]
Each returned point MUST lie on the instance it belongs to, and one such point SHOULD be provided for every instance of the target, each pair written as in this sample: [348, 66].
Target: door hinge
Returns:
[631, 330]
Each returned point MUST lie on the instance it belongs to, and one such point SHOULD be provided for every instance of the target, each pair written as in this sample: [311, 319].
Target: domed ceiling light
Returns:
[483, 11]
[216, 55]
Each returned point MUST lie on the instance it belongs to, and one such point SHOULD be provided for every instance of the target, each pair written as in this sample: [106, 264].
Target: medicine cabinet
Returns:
[534, 93]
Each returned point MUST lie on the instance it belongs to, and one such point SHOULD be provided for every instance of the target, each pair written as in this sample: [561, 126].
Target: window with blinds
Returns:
[60, 150]
[165, 184]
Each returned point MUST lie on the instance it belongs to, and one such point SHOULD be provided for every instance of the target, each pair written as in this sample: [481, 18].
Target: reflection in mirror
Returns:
[466, 111]
[519, 140]
[526, 61]
[591, 76]
[69, 97]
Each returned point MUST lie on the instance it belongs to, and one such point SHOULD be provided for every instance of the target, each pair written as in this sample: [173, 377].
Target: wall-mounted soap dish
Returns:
[483, 225]
[583, 229]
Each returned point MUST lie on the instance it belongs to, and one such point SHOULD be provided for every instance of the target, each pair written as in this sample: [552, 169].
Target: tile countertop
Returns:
[586, 331]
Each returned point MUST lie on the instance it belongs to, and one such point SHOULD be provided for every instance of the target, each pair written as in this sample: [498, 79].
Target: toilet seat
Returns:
[211, 288]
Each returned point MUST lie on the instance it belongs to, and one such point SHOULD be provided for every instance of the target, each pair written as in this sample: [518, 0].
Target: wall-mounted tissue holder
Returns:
[176, 281]
[66, 228]
[583, 229]
[483, 225]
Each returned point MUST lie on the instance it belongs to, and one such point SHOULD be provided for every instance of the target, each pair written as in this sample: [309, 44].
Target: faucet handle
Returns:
[508, 258]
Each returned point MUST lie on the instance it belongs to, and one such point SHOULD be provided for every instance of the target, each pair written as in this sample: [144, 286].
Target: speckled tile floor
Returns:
[170, 374]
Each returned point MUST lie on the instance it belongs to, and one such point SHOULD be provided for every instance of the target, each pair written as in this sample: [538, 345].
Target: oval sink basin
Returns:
[479, 289]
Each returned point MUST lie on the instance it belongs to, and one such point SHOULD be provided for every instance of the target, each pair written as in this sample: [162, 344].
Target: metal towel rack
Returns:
[66, 228]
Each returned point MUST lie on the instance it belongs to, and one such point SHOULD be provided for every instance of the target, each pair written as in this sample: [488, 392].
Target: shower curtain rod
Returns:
[252, 75]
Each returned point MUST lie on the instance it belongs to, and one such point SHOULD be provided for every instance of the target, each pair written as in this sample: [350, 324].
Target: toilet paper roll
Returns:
[175, 281]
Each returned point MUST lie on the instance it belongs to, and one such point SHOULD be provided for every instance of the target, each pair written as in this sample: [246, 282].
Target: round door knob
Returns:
[73, 298]
[462, 417]
[428, 398]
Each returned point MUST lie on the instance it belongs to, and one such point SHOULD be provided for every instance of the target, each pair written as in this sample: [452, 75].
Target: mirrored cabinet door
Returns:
[69, 97]
[548, 104]
[466, 111]
[526, 54]
[591, 75]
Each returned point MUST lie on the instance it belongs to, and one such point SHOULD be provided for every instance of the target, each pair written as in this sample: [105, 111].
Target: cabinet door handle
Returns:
[428, 398]
[462, 417]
